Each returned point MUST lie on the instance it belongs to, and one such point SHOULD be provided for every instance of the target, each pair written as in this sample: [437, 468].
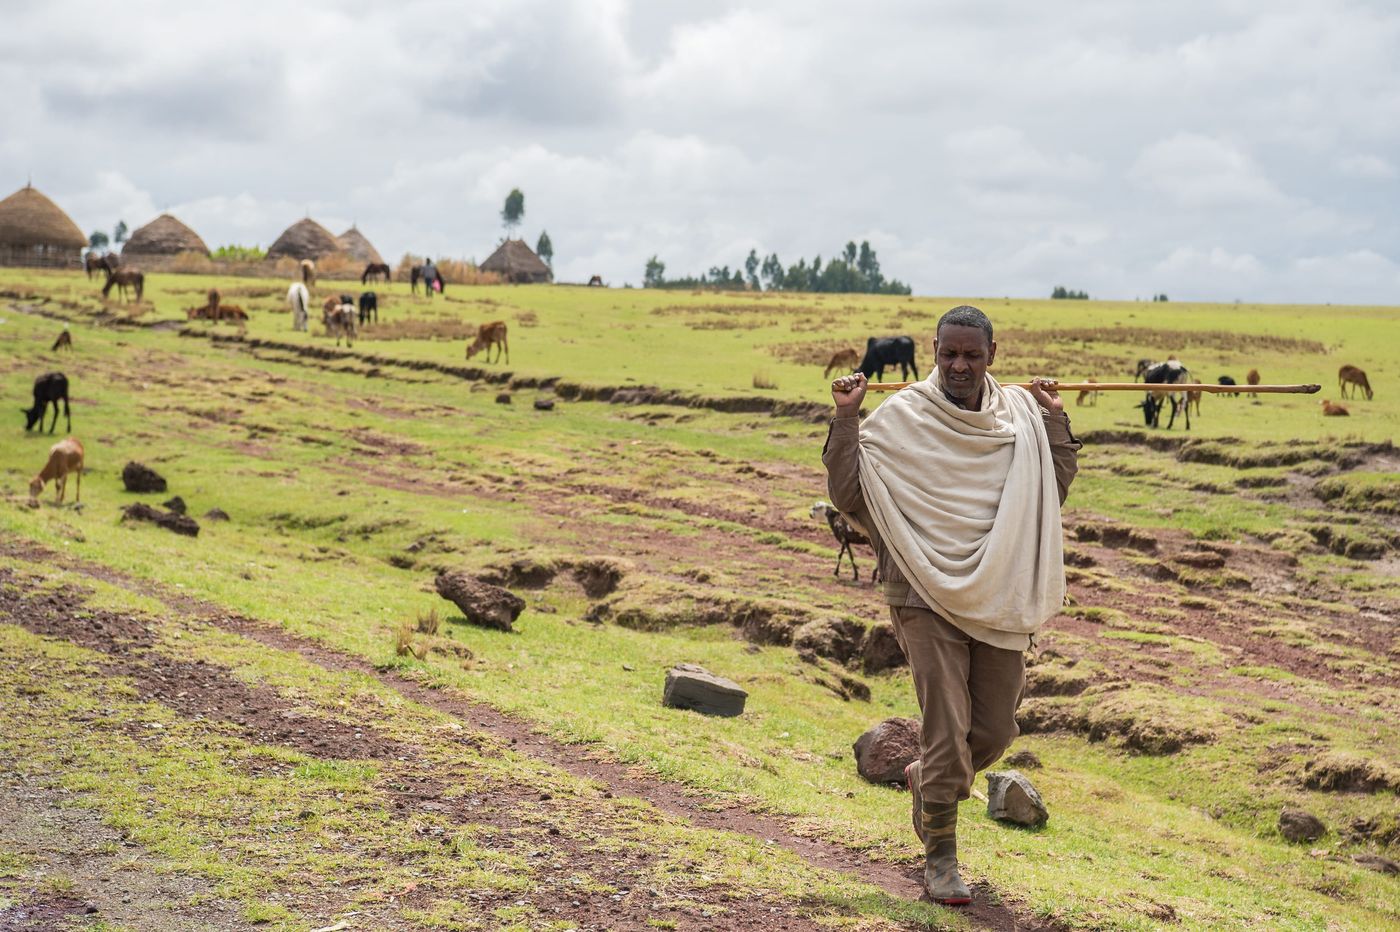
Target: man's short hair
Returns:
[965, 315]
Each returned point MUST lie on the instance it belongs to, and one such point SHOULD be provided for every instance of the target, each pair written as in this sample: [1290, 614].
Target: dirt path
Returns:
[197, 691]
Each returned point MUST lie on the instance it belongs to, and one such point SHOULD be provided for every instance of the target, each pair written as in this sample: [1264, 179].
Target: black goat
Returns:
[50, 388]
[369, 304]
[1170, 372]
[845, 536]
[888, 351]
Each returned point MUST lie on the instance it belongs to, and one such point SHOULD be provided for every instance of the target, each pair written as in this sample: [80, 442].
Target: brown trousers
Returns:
[968, 693]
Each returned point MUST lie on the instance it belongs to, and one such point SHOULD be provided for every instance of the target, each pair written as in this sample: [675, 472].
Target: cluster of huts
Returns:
[36, 233]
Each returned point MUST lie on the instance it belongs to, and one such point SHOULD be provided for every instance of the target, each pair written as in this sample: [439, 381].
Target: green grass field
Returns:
[1203, 678]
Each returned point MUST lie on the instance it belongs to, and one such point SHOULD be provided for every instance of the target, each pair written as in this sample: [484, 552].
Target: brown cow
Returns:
[488, 336]
[340, 320]
[65, 458]
[844, 360]
[1356, 378]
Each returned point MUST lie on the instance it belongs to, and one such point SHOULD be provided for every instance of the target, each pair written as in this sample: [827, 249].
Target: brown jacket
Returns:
[840, 456]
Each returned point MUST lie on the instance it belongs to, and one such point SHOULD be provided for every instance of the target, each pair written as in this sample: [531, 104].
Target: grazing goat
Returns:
[65, 458]
[1329, 409]
[1226, 380]
[844, 360]
[1170, 372]
[300, 300]
[48, 389]
[64, 341]
[369, 305]
[846, 536]
[888, 351]
[375, 271]
[340, 320]
[1193, 399]
[308, 273]
[1088, 394]
[488, 336]
[1252, 377]
[1356, 378]
[124, 278]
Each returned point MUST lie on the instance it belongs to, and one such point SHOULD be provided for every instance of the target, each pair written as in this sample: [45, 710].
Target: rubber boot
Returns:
[939, 830]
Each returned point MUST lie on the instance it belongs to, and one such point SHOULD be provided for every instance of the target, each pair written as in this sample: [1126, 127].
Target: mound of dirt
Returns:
[1130, 722]
[138, 477]
[1046, 679]
[837, 638]
[1339, 772]
[1115, 535]
[1297, 825]
[170, 520]
[480, 602]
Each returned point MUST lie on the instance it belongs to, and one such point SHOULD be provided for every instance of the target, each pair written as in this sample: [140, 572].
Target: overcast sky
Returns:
[1209, 149]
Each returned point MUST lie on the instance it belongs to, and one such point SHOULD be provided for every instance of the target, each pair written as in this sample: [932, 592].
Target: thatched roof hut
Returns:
[163, 236]
[305, 239]
[353, 242]
[516, 262]
[35, 232]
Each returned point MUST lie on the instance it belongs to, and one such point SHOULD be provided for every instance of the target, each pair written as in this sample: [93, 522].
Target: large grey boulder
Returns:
[481, 603]
[1300, 825]
[1011, 798]
[692, 687]
[884, 751]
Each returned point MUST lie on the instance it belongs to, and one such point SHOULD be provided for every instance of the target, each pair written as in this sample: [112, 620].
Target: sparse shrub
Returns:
[429, 622]
[761, 380]
[405, 646]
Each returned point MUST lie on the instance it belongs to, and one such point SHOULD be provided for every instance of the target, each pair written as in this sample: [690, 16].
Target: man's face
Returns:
[963, 355]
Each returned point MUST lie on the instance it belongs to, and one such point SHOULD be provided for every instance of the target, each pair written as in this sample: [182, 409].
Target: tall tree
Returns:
[751, 267]
[773, 272]
[514, 211]
[119, 234]
[655, 274]
[545, 249]
[98, 240]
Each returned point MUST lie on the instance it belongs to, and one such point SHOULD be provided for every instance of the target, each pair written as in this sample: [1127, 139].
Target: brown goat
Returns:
[64, 341]
[1356, 378]
[1194, 398]
[1330, 409]
[65, 457]
[1088, 394]
[1252, 377]
[488, 336]
[844, 360]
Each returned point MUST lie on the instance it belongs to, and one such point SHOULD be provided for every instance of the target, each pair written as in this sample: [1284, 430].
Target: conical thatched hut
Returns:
[163, 236]
[354, 244]
[35, 232]
[305, 239]
[516, 262]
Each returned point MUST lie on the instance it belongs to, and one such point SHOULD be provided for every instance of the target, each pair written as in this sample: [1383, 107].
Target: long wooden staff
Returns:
[1054, 385]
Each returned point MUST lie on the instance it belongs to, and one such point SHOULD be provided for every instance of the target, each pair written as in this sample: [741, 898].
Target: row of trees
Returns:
[855, 270]
[1063, 293]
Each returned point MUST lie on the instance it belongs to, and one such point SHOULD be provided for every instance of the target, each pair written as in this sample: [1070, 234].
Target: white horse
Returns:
[298, 297]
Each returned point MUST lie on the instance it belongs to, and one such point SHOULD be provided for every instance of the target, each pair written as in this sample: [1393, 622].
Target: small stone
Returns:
[481, 603]
[138, 477]
[1020, 759]
[1299, 825]
[1012, 798]
[885, 750]
[544, 404]
[693, 687]
[216, 514]
[503, 398]
[176, 504]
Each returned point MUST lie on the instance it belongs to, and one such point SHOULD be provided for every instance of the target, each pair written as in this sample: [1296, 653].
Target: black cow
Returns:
[888, 351]
[369, 304]
[1170, 372]
[50, 388]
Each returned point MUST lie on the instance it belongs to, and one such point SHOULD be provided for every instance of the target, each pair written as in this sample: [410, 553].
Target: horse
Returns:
[308, 273]
[369, 305]
[92, 262]
[374, 271]
[299, 299]
[123, 278]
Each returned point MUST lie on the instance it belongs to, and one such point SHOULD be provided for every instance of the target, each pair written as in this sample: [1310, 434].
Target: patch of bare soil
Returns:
[989, 909]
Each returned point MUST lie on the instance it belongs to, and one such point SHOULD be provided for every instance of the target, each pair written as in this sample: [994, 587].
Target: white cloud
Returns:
[1197, 171]
[1366, 166]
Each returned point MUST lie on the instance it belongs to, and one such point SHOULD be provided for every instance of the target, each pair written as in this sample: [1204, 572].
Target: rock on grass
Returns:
[693, 687]
[138, 477]
[180, 524]
[480, 602]
[1012, 798]
[885, 750]
[880, 650]
[1298, 825]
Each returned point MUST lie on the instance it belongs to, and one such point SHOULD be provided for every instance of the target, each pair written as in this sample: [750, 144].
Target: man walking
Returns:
[958, 483]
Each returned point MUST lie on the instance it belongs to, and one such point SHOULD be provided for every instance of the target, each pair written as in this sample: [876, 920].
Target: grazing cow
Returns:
[375, 271]
[1356, 378]
[48, 389]
[1226, 380]
[846, 536]
[1089, 394]
[369, 305]
[124, 278]
[488, 336]
[844, 360]
[595, 282]
[308, 273]
[1329, 409]
[300, 300]
[65, 459]
[888, 351]
[64, 341]
[340, 320]
[1170, 372]
[1252, 377]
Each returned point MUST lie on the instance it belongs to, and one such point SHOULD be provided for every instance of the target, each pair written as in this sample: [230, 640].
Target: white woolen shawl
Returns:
[967, 504]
